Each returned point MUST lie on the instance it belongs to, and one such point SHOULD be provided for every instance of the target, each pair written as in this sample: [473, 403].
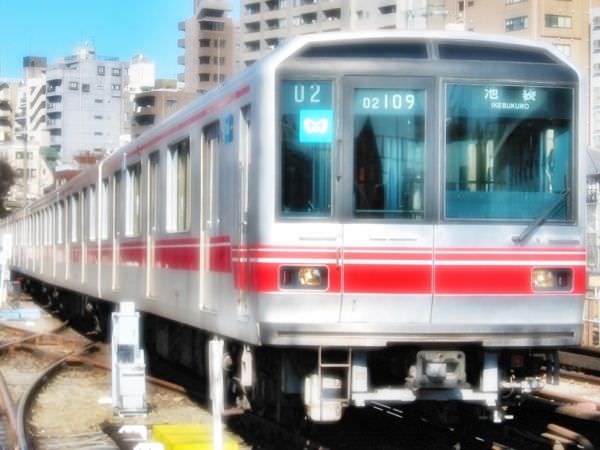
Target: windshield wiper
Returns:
[540, 219]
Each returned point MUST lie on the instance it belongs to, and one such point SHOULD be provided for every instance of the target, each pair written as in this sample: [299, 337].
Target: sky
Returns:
[121, 28]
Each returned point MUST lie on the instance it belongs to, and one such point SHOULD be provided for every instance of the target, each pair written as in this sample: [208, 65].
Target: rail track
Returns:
[37, 369]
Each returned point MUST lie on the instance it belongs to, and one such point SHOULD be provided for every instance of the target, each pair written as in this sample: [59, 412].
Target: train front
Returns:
[426, 236]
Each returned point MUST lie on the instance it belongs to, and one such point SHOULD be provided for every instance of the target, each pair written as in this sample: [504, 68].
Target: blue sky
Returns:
[121, 28]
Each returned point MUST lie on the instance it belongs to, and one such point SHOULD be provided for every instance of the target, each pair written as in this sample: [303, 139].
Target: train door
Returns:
[152, 209]
[387, 212]
[208, 211]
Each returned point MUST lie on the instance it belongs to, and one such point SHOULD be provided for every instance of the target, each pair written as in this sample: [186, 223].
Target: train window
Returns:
[74, 215]
[92, 213]
[386, 50]
[487, 53]
[116, 203]
[133, 215]
[209, 178]
[307, 133]
[389, 147]
[178, 187]
[508, 152]
[104, 211]
[60, 222]
[85, 212]
[153, 190]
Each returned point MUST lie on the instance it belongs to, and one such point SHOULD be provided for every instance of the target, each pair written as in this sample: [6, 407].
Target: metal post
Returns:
[215, 369]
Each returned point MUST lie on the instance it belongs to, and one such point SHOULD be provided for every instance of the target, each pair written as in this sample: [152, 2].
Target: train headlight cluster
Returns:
[552, 279]
[299, 277]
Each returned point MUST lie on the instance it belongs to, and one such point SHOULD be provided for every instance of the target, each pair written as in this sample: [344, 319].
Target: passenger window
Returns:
[133, 200]
[153, 190]
[389, 153]
[508, 152]
[92, 213]
[178, 187]
[307, 133]
[104, 210]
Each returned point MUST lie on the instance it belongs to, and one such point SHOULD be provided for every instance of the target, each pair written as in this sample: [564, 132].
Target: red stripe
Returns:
[384, 279]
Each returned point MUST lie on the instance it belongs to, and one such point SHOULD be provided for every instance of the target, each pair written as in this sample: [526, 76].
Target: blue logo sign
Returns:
[228, 132]
[316, 126]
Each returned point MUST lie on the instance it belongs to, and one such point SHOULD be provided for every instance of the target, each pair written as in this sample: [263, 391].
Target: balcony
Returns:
[181, 77]
[181, 60]
[181, 26]
[54, 124]
[181, 43]
[54, 107]
[5, 113]
[54, 90]
[252, 27]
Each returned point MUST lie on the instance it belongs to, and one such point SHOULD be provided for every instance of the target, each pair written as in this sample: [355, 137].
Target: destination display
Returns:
[509, 101]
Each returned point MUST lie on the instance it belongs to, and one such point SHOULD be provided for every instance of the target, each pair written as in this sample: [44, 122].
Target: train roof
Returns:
[417, 44]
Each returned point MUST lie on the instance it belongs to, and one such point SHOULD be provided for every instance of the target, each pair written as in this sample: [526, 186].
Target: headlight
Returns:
[303, 277]
[552, 279]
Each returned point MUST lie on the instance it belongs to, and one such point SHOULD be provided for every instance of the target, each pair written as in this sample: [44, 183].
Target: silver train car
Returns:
[365, 217]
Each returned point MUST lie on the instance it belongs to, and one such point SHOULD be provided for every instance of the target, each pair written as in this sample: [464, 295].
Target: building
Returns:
[209, 46]
[151, 107]
[8, 103]
[33, 174]
[562, 23]
[266, 24]
[86, 104]
[595, 75]
[31, 113]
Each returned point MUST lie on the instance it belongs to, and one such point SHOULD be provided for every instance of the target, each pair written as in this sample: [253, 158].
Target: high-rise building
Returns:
[209, 46]
[595, 75]
[86, 103]
[8, 103]
[31, 113]
[152, 106]
[562, 23]
[266, 24]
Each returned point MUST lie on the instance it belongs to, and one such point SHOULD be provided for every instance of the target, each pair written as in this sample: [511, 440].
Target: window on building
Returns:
[73, 85]
[219, 60]
[98, 117]
[85, 87]
[565, 49]
[20, 155]
[19, 173]
[133, 216]
[204, 76]
[98, 133]
[516, 23]
[219, 43]
[116, 72]
[101, 70]
[116, 87]
[209, 25]
[554, 21]
[98, 100]
[204, 43]
[388, 9]
[596, 23]
[178, 187]
[204, 59]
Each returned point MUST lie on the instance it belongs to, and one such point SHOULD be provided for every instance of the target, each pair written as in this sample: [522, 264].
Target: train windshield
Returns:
[508, 152]
[389, 143]
[306, 138]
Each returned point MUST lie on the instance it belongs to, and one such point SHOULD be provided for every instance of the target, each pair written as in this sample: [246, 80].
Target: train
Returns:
[368, 217]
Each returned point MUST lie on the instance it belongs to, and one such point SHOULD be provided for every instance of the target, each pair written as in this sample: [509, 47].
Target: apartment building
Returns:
[209, 44]
[266, 24]
[562, 23]
[152, 106]
[30, 118]
[86, 97]
[595, 75]
[8, 102]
